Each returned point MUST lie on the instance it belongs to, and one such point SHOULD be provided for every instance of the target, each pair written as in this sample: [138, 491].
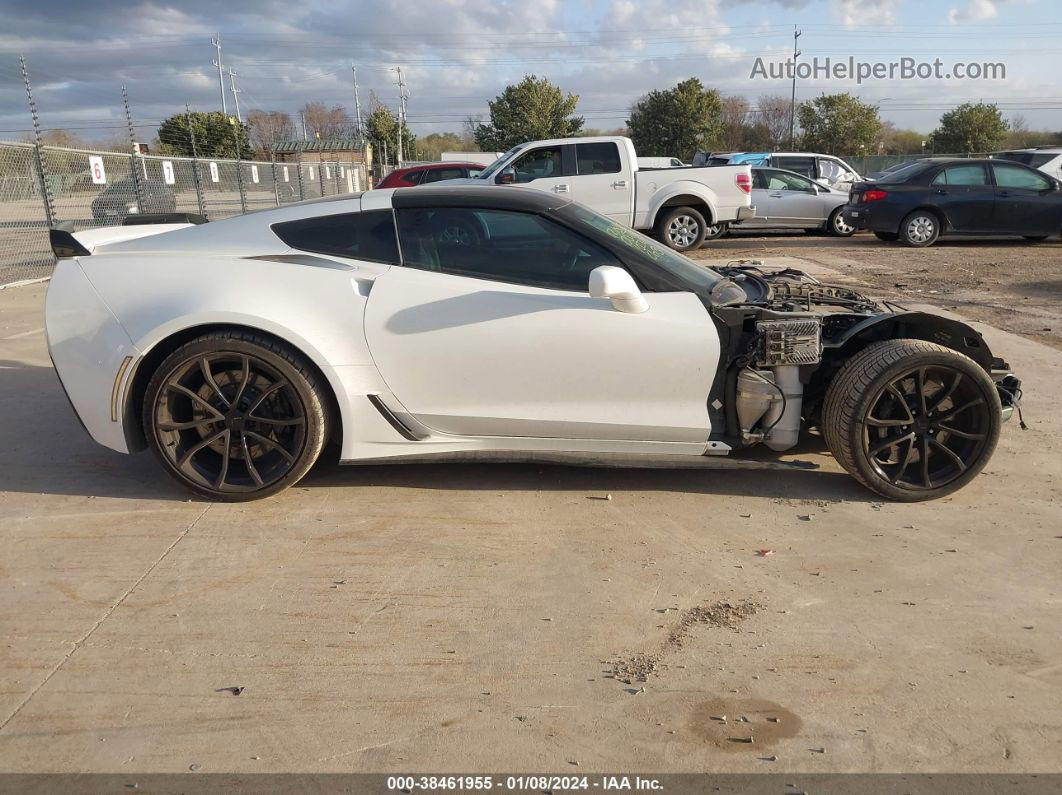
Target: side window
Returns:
[830, 170]
[759, 178]
[539, 164]
[962, 175]
[369, 235]
[801, 165]
[1017, 177]
[439, 174]
[599, 158]
[474, 172]
[779, 180]
[514, 247]
[414, 177]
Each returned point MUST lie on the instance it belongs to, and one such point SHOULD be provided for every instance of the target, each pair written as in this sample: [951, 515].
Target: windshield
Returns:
[671, 261]
[488, 172]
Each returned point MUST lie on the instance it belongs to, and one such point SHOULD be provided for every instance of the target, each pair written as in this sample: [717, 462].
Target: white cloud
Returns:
[866, 12]
[978, 10]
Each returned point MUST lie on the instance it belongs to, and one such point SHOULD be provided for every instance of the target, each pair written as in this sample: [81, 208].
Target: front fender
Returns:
[944, 331]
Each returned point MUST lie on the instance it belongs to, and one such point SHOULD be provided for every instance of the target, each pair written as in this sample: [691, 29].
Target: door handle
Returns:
[942, 192]
[776, 195]
[620, 183]
[1005, 193]
[561, 188]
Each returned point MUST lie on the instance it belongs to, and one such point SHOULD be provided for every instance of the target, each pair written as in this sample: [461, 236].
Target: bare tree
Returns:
[325, 122]
[773, 114]
[269, 127]
[735, 114]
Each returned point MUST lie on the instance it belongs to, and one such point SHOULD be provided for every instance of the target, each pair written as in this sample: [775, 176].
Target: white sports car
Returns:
[476, 321]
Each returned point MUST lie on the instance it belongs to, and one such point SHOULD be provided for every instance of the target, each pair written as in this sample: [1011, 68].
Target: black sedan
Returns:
[939, 196]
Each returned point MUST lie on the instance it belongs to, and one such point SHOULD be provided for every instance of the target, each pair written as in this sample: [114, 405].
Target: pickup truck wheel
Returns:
[888, 237]
[912, 420]
[682, 228]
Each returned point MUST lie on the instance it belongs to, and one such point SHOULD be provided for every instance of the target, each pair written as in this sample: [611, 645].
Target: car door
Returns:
[965, 195]
[544, 168]
[759, 199]
[601, 183]
[1026, 201]
[500, 337]
[792, 200]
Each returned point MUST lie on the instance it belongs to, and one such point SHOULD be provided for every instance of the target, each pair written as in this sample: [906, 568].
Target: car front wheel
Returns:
[837, 226]
[920, 229]
[912, 420]
[716, 231]
[682, 228]
[235, 416]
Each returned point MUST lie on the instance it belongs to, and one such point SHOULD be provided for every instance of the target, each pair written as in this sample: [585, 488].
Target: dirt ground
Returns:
[511, 618]
[1011, 284]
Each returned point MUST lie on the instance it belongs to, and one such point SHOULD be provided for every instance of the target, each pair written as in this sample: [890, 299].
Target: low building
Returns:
[318, 150]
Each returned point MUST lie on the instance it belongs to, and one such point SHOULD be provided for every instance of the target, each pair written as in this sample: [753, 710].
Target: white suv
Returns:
[1046, 158]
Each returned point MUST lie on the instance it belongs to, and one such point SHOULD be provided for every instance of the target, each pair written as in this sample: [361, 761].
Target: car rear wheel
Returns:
[716, 231]
[912, 420]
[920, 229]
[837, 226]
[682, 228]
[888, 237]
[235, 416]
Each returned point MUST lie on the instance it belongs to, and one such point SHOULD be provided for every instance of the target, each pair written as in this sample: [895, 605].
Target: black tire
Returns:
[920, 229]
[888, 237]
[228, 383]
[681, 228]
[1035, 238]
[940, 441]
[716, 231]
[836, 225]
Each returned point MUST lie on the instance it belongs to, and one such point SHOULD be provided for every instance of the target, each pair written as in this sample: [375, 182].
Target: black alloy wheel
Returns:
[234, 416]
[912, 420]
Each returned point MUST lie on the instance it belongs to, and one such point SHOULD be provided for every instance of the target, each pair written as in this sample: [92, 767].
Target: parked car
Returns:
[676, 205]
[235, 349]
[940, 196]
[118, 200]
[646, 163]
[787, 200]
[428, 173]
[828, 169]
[1047, 159]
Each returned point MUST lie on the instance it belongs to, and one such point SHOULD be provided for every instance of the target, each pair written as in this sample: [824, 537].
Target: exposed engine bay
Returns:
[788, 334]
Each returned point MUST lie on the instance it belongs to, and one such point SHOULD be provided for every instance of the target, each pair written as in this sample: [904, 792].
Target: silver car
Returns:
[787, 200]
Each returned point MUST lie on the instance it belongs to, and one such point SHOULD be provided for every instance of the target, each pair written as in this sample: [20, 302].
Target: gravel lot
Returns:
[509, 618]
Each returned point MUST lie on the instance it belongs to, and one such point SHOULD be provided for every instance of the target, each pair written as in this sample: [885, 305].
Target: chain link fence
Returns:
[48, 186]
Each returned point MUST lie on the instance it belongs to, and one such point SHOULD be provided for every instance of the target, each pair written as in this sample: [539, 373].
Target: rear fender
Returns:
[684, 193]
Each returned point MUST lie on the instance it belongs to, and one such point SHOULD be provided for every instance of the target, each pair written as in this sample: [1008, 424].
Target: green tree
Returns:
[431, 146]
[677, 122]
[839, 124]
[530, 110]
[970, 127]
[381, 128]
[216, 135]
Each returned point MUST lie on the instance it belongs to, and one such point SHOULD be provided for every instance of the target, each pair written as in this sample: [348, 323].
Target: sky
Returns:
[458, 54]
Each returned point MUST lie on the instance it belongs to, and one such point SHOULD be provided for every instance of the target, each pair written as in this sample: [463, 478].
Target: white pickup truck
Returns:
[679, 206]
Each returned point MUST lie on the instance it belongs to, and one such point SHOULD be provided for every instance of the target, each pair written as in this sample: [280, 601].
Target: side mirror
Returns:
[616, 284]
[507, 176]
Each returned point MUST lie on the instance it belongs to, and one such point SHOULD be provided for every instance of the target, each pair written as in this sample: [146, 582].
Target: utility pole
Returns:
[42, 169]
[402, 96]
[235, 92]
[792, 102]
[302, 120]
[357, 99]
[216, 41]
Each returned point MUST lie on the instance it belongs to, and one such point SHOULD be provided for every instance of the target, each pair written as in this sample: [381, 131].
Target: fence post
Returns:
[135, 155]
[298, 171]
[239, 167]
[335, 176]
[273, 169]
[199, 198]
[42, 170]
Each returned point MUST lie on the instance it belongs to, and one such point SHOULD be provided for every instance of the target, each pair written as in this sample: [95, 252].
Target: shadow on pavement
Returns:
[44, 450]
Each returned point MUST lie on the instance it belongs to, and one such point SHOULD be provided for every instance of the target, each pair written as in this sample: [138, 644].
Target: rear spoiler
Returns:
[164, 218]
[66, 242]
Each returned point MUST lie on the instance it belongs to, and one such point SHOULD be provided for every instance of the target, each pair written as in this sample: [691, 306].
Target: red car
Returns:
[428, 173]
